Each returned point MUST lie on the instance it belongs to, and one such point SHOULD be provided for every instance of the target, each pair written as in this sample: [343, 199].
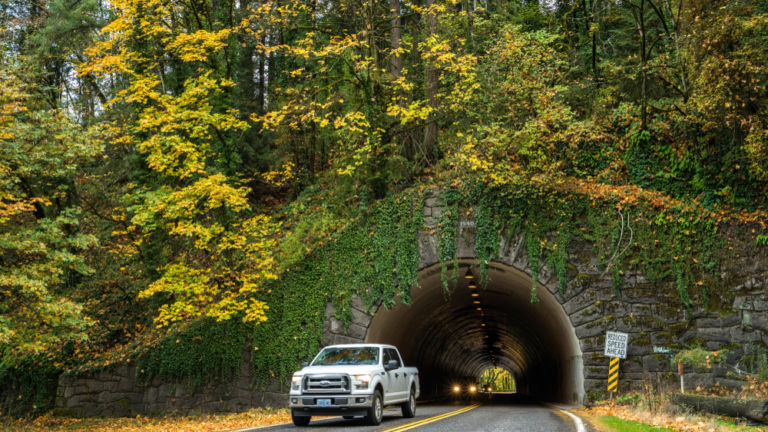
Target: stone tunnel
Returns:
[554, 347]
[453, 335]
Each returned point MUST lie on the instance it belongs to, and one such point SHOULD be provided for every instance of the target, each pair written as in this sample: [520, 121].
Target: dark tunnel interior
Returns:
[454, 338]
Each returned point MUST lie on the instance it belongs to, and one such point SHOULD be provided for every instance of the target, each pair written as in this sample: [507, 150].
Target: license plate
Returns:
[324, 402]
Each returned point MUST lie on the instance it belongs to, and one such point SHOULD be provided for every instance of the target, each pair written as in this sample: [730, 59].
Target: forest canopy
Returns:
[164, 162]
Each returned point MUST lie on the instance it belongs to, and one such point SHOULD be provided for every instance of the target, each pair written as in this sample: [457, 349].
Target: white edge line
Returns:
[577, 420]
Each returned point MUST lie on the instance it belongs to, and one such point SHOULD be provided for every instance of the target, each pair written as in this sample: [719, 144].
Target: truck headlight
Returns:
[361, 381]
[296, 382]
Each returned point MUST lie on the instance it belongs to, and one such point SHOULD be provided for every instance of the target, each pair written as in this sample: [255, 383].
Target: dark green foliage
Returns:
[448, 235]
[201, 352]
[27, 385]
[488, 229]
[678, 246]
[375, 257]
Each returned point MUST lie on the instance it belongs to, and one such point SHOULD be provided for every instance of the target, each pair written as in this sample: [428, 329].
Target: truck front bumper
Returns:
[330, 405]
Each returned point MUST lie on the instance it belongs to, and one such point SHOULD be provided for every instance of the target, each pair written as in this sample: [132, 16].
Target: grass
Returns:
[620, 425]
[616, 424]
[611, 417]
[731, 425]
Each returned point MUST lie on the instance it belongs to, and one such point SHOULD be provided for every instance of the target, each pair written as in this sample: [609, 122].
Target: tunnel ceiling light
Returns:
[472, 285]
[475, 295]
[469, 274]
[476, 302]
[483, 324]
[480, 309]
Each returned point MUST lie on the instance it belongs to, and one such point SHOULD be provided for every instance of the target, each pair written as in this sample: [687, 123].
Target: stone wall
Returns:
[118, 392]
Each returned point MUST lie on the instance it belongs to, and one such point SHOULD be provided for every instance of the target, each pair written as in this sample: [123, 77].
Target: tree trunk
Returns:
[638, 13]
[430, 91]
[752, 409]
[262, 94]
[245, 66]
[395, 36]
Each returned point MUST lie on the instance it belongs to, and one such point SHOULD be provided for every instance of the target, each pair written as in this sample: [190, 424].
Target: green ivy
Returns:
[27, 385]
[201, 352]
[488, 229]
[534, 252]
[659, 244]
[375, 256]
[448, 235]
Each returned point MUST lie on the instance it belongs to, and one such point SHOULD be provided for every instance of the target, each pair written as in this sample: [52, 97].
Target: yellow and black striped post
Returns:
[613, 375]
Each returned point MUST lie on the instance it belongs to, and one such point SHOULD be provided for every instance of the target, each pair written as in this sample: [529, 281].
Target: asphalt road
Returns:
[499, 413]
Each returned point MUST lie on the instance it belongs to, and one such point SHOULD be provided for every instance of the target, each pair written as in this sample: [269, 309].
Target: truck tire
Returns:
[409, 406]
[300, 420]
[376, 411]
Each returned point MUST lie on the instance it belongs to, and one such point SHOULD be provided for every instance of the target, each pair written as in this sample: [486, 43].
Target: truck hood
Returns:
[340, 369]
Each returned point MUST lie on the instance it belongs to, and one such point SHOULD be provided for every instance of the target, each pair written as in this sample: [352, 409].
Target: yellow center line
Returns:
[413, 425]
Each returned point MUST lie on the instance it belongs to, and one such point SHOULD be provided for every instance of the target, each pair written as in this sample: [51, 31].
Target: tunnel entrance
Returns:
[454, 338]
[497, 379]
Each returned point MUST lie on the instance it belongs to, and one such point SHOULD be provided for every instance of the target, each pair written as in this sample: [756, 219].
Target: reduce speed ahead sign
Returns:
[616, 344]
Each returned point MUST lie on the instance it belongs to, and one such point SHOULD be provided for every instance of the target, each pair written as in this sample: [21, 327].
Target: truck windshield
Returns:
[347, 356]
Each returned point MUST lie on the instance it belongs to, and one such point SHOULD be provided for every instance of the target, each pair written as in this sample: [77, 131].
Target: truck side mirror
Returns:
[392, 364]
[304, 364]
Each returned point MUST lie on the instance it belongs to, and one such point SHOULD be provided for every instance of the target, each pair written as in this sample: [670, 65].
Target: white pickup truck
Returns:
[354, 380]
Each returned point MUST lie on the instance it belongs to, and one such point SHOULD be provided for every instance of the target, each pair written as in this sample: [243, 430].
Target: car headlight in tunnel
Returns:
[361, 381]
[472, 389]
[456, 389]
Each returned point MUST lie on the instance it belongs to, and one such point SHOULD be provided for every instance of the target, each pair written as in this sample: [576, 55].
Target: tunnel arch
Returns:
[452, 339]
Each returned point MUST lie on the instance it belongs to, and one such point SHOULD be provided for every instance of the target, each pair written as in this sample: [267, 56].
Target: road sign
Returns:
[661, 350]
[616, 344]
[613, 375]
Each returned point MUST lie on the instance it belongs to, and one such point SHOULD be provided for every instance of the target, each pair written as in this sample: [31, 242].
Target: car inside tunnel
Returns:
[454, 335]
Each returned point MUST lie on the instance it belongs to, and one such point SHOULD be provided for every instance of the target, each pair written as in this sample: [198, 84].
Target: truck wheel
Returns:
[376, 411]
[300, 420]
[409, 406]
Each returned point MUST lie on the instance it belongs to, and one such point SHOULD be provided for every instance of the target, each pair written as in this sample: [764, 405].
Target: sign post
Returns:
[615, 348]
[613, 376]
[680, 371]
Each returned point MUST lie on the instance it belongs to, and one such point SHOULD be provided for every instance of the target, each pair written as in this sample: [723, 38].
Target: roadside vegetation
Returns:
[198, 423]
[611, 417]
[620, 425]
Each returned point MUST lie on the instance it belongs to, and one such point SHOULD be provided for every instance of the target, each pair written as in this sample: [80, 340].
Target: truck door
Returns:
[387, 378]
[398, 382]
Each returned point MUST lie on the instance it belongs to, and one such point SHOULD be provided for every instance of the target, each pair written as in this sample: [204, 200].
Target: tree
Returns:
[42, 245]
[220, 250]
[354, 93]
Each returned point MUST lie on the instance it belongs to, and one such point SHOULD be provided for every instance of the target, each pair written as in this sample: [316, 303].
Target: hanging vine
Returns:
[448, 235]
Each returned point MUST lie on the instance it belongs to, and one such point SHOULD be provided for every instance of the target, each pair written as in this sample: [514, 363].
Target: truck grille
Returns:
[326, 384]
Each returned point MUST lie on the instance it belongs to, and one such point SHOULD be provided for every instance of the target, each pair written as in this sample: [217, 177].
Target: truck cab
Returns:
[353, 380]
